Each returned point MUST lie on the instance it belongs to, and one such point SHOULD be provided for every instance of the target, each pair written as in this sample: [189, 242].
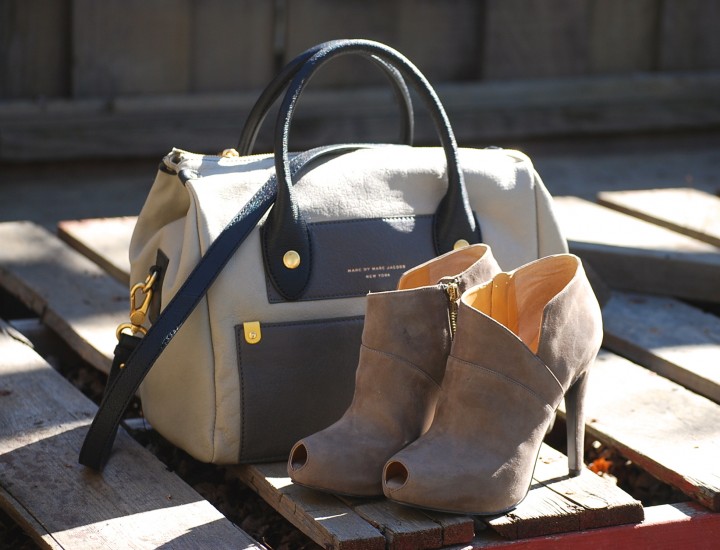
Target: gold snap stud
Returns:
[291, 259]
[460, 243]
[253, 332]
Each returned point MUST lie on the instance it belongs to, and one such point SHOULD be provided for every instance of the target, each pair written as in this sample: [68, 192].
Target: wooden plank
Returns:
[232, 45]
[313, 21]
[481, 112]
[321, 516]
[403, 527]
[406, 527]
[558, 503]
[541, 513]
[130, 46]
[622, 36]
[686, 210]
[535, 38]
[455, 529]
[456, 44]
[689, 39]
[105, 241]
[34, 50]
[671, 432]
[135, 500]
[675, 340]
[631, 254]
[405, 25]
[603, 503]
[668, 526]
[72, 295]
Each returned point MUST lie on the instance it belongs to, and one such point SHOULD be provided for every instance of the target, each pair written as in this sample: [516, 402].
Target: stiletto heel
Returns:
[524, 342]
[575, 422]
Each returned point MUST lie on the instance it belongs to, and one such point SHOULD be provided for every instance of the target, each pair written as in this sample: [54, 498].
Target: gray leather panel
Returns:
[297, 380]
[353, 257]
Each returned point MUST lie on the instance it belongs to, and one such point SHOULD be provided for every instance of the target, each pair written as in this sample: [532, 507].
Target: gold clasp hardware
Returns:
[134, 328]
[139, 314]
[253, 332]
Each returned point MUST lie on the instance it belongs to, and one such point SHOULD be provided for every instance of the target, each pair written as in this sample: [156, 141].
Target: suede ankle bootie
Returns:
[524, 340]
[405, 344]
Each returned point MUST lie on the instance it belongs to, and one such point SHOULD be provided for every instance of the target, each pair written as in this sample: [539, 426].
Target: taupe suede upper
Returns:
[523, 340]
[405, 344]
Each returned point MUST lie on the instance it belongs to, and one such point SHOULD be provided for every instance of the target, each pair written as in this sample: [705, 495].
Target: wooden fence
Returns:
[87, 78]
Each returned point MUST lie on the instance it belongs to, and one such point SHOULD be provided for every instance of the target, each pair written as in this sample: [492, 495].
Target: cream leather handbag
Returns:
[255, 316]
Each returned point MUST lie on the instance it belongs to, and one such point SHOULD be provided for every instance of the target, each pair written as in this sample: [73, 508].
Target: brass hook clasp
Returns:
[139, 314]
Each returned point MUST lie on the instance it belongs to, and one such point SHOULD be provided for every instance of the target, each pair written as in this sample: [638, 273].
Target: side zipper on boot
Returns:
[453, 292]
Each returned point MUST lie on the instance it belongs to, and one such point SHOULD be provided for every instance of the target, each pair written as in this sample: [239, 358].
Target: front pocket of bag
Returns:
[298, 379]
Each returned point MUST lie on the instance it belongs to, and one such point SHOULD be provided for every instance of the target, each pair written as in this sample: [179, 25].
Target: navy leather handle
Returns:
[285, 229]
[278, 84]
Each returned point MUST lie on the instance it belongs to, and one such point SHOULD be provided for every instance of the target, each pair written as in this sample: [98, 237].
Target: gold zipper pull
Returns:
[453, 292]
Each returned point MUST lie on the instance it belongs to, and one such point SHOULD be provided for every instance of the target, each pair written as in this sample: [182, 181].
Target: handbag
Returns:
[252, 320]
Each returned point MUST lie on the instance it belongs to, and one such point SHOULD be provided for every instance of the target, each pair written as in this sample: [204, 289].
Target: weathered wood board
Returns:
[136, 500]
[322, 517]
[686, 210]
[667, 527]
[688, 37]
[671, 432]
[111, 242]
[632, 254]
[35, 56]
[593, 502]
[481, 112]
[525, 39]
[676, 340]
[109, 39]
[70, 293]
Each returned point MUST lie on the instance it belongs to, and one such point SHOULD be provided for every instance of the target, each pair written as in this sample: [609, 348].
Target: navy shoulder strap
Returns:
[139, 354]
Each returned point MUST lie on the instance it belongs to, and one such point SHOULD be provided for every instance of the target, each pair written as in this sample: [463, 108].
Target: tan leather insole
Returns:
[517, 299]
[431, 272]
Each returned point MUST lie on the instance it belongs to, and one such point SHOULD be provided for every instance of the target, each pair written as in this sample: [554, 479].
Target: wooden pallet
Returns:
[654, 420]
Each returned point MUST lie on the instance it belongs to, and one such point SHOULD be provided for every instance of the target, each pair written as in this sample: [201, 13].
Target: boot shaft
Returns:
[547, 304]
[414, 322]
